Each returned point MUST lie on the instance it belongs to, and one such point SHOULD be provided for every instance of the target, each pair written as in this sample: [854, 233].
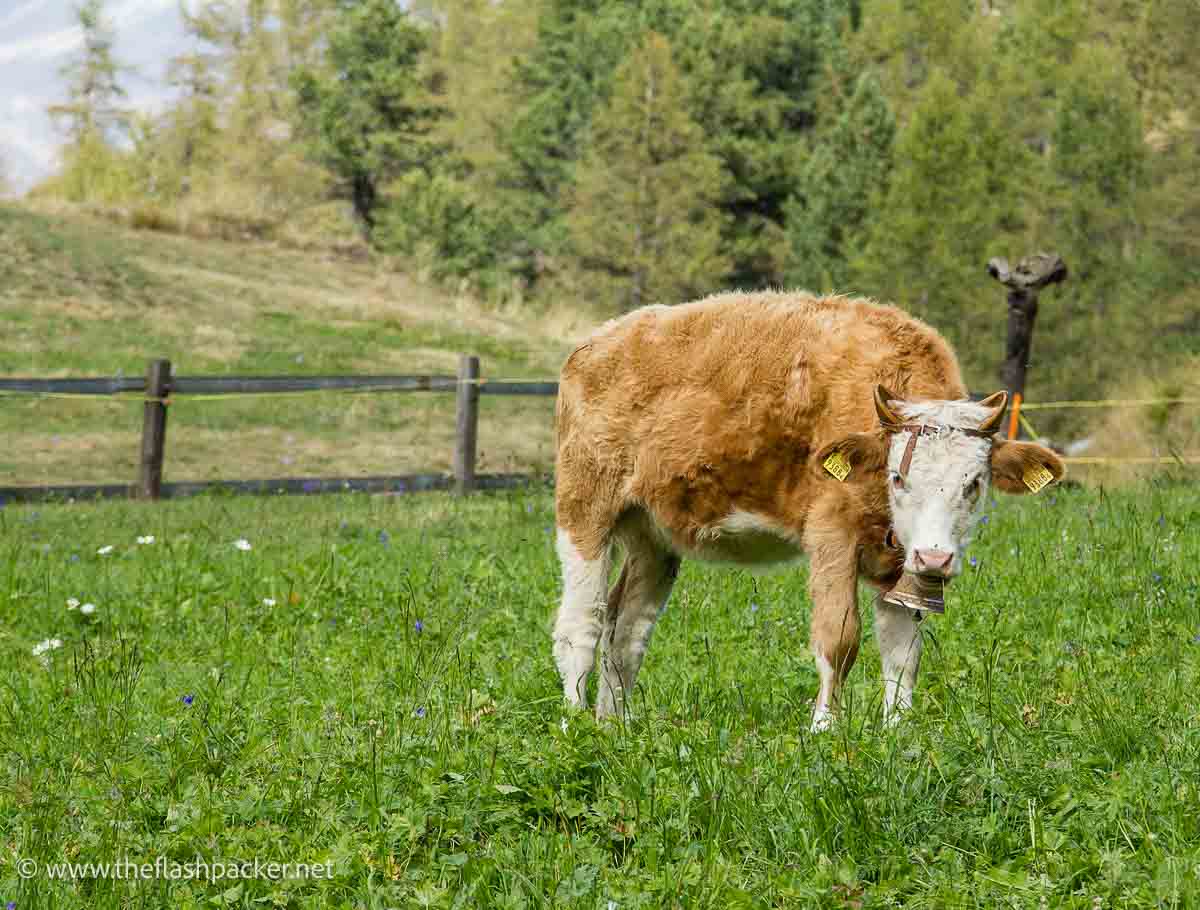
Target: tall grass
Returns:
[370, 685]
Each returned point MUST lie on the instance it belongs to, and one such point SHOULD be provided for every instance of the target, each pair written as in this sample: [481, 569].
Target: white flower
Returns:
[149, 538]
[268, 601]
[242, 544]
[72, 603]
[87, 609]
[49, 644]
[104, 551]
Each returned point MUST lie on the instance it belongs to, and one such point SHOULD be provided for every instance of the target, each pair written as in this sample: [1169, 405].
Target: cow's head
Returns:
[940, 459]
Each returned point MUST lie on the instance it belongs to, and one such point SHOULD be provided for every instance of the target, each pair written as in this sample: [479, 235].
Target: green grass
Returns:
[83, 297]
[1052, 758]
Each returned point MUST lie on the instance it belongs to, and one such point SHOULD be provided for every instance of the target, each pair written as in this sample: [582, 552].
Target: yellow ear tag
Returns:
[837, 465]
[1036, 477]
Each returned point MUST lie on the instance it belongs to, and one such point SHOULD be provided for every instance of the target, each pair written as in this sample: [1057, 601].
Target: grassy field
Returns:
[367, 682]
[84, 297]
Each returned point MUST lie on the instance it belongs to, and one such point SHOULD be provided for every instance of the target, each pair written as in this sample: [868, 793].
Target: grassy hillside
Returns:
[80, 296]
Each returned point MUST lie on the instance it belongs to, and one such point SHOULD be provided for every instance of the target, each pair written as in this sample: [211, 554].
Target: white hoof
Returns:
[822, 721]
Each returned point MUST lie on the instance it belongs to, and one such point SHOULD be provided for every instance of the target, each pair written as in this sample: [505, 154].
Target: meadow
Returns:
[366, 682]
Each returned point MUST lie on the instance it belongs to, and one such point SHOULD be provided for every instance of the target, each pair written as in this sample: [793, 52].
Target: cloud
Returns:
[121, 16]
[22, 11]
[42, 47]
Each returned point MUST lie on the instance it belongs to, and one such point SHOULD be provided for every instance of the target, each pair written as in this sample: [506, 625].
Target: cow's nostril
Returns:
[934, 562]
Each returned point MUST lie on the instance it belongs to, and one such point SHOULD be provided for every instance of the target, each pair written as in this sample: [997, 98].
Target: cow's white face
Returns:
[938, 501]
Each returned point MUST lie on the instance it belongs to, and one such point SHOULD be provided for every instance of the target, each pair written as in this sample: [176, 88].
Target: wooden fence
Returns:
[159, 386]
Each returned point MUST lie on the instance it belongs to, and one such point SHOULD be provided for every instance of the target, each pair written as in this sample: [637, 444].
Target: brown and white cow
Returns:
[701, 431]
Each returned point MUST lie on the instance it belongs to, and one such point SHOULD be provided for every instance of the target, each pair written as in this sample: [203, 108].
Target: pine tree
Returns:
[936, 220]
[366, 113]
[644, 213]
[93, 108]
[844, 173]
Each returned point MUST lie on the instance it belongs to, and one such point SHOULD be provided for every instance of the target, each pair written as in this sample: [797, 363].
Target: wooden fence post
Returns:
[467, 424]
[154, 429]
[1024, 282]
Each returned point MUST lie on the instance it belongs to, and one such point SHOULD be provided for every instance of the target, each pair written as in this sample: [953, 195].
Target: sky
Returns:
[37, 37]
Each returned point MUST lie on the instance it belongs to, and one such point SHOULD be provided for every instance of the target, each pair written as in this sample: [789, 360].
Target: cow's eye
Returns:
[972, 489]
[897, 481]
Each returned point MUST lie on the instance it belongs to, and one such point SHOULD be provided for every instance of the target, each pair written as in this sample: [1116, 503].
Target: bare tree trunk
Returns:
[1024, 283]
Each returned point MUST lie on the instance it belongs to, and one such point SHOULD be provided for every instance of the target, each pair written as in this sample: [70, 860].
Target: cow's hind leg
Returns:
[899, 637]
[580, 616]
[638, 597]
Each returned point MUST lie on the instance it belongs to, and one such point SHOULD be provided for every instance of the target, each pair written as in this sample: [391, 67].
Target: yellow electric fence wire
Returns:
[1106, 403]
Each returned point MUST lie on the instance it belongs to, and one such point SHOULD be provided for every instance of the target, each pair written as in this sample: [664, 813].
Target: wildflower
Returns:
[242, 544]
[268, 601]
[87, 609]
[188, 699]
[384, 537]
[420, 712]
[72, 603]
[74, 557]
[419, 626]
[985, 519]
[1156, 577]
[753, 607]
[149, 538]
[974, 562]
[104, 551]
[529, 508]
[48, 644]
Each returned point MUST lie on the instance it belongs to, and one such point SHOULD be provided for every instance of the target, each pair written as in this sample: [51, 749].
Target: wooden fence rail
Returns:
[158, 386]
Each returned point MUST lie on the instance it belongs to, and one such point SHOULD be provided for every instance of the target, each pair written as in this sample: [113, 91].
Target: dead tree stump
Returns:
[1024, 283]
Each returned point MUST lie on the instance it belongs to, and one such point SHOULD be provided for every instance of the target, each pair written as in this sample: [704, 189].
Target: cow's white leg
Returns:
[578, 625]
[899, 637]
[826, 694]
[833, 583]
[646, 581]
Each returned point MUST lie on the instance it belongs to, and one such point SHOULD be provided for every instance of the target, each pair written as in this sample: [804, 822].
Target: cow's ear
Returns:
[1024, 467]
[858, 452]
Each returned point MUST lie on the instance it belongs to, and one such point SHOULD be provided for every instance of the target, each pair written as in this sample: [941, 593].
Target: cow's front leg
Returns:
[835, 624]
[899, 635]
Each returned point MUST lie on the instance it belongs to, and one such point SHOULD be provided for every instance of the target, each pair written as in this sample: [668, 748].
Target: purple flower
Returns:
[188, 699]
[1156, 578]
[753, 607]
[420, 712]
[985, 519]
[11, 905]
[974, 561]
[384, 537]
[419, 626]
[74, 557]
[1162, 520]
[529, 508]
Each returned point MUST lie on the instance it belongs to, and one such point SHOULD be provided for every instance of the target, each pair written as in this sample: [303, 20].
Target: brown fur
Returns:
[693, 411]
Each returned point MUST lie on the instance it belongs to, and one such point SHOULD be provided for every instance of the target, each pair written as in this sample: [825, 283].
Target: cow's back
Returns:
[701, 409]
